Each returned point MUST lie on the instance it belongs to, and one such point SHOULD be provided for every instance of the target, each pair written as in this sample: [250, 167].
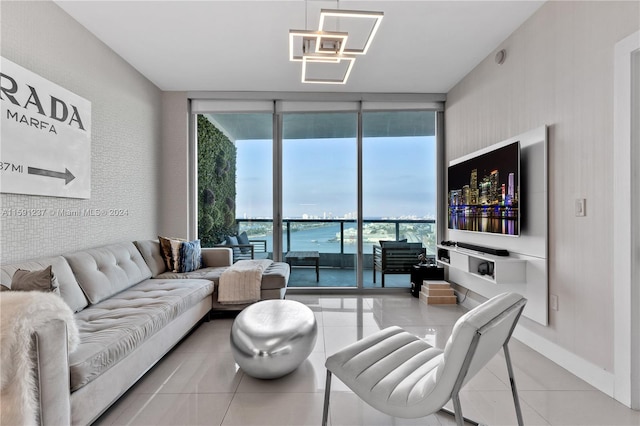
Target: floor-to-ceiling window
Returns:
[235, 179]
[319, 197]
[399, 184]
[320, 183]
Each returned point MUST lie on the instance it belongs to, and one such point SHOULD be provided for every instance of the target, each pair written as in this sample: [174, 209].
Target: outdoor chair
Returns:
[395, 257]
[403, 376]
[244, 248]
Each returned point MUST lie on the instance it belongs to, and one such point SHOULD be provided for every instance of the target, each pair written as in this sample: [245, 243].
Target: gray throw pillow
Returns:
[233, 241]
[244, 239]
[43, 280]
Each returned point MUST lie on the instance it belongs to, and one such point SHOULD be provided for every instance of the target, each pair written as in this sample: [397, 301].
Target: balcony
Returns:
[335, 241]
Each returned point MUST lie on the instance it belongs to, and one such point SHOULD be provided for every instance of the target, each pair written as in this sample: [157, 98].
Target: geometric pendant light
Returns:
[331, 49]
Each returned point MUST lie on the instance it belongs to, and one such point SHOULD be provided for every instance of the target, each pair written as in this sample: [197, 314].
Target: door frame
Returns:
[626, 231]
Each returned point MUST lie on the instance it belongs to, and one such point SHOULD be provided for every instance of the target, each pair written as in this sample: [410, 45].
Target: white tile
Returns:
[485, 380]
[319, 346]
[115, 410]
[347, 409]
[200, 383]
[569, 408]
[172, 409]
[277, 409]
[186, 372]
[495, 408]
[212, 336]
[533, 371]
[348, 318]
[309, 377]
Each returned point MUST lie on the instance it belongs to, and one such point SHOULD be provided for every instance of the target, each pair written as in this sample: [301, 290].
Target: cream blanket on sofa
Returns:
[21, 314]
[241, 282]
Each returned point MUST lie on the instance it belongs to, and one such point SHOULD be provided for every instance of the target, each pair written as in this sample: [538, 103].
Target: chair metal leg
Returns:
[327, 395]
[457, 410]
[464, 419]
[512, 380]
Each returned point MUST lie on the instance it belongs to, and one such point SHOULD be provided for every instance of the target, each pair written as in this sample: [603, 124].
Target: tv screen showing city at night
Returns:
[484, 192]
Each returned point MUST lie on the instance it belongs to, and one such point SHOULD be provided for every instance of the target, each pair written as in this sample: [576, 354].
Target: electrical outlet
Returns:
[580, 206]
[553, 302]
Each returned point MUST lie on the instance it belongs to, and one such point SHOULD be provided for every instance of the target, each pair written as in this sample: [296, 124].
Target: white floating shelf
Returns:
[505, 269]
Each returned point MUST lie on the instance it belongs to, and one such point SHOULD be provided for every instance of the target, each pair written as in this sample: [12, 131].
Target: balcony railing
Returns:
[335, 239]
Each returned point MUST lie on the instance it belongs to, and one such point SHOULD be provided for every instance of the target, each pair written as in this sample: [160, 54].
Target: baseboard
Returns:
[602, 380]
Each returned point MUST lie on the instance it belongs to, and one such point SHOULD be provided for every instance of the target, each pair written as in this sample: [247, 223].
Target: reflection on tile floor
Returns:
[199, 383]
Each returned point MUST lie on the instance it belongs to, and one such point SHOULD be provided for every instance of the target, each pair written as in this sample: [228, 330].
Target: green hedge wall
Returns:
[216, 184]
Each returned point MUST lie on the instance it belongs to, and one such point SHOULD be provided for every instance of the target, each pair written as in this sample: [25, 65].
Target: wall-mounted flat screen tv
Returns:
[484, 191]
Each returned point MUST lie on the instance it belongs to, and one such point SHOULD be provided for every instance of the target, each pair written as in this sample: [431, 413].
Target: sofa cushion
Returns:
[152, 255]
[70, 291]
[105, 271]
[212, 273]
[114, 328]
[275, 276]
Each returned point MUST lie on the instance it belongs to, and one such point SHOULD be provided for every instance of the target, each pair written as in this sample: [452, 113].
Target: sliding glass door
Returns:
[398, 190]
[318, 185]
[319, 198]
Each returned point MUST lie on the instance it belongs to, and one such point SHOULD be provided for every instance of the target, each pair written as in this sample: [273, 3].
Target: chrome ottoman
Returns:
[271, 338]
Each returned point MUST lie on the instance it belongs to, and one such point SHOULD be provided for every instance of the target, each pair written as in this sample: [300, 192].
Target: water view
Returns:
[327, 237]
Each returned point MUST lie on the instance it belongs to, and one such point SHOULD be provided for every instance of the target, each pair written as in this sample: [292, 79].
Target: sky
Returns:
[319, 177]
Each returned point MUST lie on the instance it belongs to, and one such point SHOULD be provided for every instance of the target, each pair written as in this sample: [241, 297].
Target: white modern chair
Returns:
[403, 376]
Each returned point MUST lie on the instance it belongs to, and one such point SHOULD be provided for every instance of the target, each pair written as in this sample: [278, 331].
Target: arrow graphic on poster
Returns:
[67, 175]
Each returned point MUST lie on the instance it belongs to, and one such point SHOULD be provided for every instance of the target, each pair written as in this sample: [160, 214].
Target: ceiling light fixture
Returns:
[354, 14]
[330, 47]
[327, 59]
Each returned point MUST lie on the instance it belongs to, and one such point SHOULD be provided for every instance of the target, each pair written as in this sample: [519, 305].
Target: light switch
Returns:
[581, 207]
[553, 302]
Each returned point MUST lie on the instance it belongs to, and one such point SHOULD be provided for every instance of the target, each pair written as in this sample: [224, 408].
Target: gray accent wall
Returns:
[125, 146]
[559, 72]
[175, 180]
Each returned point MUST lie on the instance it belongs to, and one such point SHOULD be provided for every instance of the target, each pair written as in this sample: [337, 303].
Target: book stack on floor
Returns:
[437, 293]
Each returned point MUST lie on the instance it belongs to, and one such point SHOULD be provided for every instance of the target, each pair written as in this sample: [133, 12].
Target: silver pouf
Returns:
[272, 338]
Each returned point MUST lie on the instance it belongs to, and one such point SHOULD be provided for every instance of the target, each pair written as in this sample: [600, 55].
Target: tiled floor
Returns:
[199, 383]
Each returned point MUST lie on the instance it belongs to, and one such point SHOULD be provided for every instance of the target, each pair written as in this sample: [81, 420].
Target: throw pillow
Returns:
[190, 256]
[165, 249]
[170, 248]
[244, 239]
[232, 240]
[175, 254]
[43, 280]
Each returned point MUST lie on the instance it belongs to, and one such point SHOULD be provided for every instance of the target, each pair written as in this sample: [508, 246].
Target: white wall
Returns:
[559, 72]
[174, 178]
[125, 146]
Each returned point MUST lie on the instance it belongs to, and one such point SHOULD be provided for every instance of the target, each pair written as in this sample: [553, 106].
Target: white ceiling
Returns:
[421, 46]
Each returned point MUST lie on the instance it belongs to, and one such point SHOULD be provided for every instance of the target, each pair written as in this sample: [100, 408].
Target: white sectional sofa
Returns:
[129, 312]
[274, 279]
